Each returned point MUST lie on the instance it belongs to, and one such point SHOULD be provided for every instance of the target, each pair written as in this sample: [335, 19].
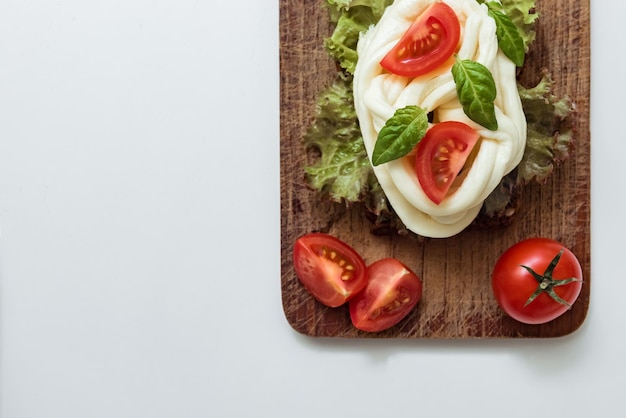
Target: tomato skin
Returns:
[428, 43]
[392, 291]
[440, 156]
[512, 284]
[331, 270]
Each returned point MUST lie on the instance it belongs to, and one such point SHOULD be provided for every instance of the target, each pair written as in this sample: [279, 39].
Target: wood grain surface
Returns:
[456, 272]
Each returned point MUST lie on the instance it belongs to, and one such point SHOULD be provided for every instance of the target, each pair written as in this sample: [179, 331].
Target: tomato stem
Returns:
[547, 283]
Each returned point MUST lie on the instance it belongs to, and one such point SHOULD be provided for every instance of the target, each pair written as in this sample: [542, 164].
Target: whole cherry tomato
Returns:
[537, 280]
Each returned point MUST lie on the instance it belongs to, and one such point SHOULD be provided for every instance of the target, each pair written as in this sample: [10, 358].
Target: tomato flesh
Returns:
[441, 155]
[513, 285]
[429, 42]
[391, 292]
[329, 269]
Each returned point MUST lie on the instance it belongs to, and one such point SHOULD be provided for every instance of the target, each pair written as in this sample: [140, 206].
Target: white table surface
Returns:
[139, 253]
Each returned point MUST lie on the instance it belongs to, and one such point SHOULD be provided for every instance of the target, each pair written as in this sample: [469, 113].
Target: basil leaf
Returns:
[509, 39]
[476, 90]
[400, 134]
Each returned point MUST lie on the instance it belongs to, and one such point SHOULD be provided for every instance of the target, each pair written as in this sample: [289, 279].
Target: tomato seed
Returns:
[375, 314]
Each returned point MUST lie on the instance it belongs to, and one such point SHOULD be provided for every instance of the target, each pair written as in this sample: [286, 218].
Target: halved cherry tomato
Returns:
[392, 291]
[440, 156]
[329, 268]
[429, 42]
[536, 280]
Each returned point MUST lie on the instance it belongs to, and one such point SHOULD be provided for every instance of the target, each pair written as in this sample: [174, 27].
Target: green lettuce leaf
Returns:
[550, 130]
[342, 172]
[351, 18]
[377, 6]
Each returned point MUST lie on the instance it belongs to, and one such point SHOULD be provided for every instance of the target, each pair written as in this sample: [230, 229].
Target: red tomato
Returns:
[429, 42]
[440, 156]
[391, 292]
[329, 268]
[539, 297]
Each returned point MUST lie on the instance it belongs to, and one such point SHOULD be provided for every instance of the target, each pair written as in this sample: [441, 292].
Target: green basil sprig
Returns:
[509, 39]
[401, 133]
[476, 90]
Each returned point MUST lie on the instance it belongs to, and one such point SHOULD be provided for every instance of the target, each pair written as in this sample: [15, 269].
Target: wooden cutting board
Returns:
[457, 301]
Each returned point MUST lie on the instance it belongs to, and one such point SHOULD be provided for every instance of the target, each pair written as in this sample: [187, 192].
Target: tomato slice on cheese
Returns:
[441, 155]
[429, 42]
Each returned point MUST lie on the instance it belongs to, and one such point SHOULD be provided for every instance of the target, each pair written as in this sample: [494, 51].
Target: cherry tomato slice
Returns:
[440, 156]
[536, 299]
[392, 291]
[429, 42]
[330, 269]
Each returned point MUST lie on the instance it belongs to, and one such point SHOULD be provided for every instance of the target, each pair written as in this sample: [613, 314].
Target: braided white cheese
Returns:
[378, 94]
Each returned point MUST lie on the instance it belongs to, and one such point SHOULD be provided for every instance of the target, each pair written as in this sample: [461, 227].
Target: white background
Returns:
[139, 255]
